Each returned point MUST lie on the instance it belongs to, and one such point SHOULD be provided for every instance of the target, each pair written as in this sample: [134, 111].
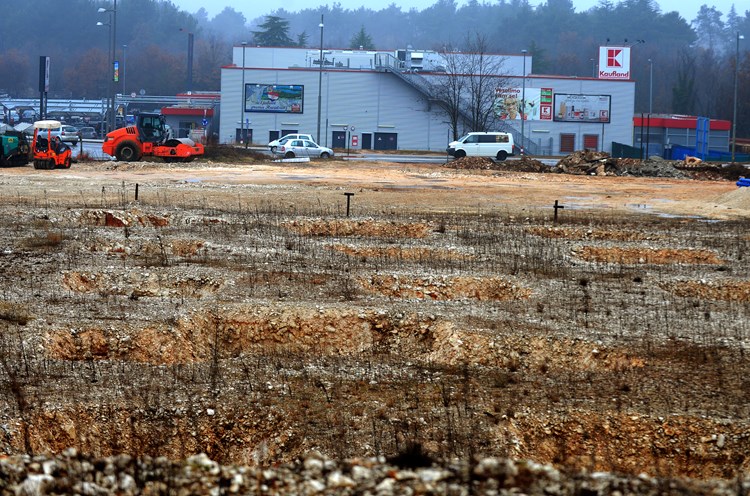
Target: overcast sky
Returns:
[687, 8]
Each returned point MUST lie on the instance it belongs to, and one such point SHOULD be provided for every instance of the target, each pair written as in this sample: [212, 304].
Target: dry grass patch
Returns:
[364, 228]
[582, 233]
[243, 329]
[15, 313]
[720, 290]
[121, 218]
[84, 344]
[186, 247]
[445, 288]
[403, 253]
[138, 284]
[647, 255]
[560, 356]
[158, 345]
[47, 240]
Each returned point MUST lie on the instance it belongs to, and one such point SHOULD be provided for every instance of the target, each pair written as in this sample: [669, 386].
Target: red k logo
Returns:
[614, 57]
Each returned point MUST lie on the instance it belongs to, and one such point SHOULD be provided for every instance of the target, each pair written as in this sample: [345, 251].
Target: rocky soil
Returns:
[410, 474]
[233, 321]
[602, 164]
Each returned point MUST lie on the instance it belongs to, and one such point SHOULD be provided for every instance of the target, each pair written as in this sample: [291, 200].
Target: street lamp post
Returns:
[190, 63]
[191, 38]
[242, 98]
[523, 104]
[736, 77]
[109, 64]
[320, 76]
[122, 69]
[650, 84]
[111, 71]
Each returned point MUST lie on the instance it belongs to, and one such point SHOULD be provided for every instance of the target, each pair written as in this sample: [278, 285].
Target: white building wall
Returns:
[380, 102]
[372, 102]
[619, 129]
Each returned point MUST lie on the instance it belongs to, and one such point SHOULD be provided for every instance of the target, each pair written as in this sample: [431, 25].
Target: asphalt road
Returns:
[427, 159]
[94, 149]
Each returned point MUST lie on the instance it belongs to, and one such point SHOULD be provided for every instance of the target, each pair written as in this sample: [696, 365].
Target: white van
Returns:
[495, 145]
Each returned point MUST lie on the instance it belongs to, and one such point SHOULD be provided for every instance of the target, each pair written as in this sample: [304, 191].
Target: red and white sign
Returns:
[355, 140]
[614, 62]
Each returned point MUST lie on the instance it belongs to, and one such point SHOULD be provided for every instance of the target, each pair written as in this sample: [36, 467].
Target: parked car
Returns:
[492, 144]
[69, 133]
[302, 148]
[87, 133]
[273, 145]
[65, 133]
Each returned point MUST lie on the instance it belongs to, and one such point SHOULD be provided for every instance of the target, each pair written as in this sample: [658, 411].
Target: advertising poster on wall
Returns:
[279, 98]
[582, 108]
[509, 103]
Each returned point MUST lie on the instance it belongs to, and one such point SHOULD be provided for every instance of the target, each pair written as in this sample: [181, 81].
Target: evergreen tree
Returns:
[275, 32]
[710, 29]
[540, 60]
[302, 39]
[362, 40]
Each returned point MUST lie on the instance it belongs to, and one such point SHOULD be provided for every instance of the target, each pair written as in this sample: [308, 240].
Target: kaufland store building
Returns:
[381, 100]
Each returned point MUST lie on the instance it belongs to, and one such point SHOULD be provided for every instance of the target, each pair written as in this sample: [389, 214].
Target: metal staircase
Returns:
[389, 63]
[529, 146]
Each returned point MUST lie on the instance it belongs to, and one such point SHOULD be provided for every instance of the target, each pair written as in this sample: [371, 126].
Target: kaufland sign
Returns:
[614, 62]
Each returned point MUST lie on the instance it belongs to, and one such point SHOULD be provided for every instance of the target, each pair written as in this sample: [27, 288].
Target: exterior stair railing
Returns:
[389, 63]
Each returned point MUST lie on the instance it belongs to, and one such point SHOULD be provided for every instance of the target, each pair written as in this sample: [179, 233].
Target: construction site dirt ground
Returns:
[257, 311]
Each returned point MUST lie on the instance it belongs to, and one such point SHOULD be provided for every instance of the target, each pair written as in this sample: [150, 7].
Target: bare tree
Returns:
[449, 88]
[683, 91]
[485, 76]
[467, 90]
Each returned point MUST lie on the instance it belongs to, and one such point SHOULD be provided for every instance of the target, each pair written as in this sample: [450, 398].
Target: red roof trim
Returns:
[679, 122]
[199, 112]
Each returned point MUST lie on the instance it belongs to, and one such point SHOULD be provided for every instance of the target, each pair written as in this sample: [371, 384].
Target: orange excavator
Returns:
[149, 137]
[49, 150]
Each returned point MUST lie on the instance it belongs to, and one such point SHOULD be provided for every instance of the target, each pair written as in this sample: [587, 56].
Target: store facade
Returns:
[378, 100]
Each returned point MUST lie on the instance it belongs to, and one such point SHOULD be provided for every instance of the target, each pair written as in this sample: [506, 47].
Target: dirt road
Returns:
[436, 188]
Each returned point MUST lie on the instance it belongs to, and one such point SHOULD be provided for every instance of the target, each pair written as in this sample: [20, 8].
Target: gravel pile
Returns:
[409, 474]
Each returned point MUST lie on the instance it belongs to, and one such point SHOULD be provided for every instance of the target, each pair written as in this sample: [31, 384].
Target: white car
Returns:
[69, 133]
[273, 145]
[302, 148]
[64, 132]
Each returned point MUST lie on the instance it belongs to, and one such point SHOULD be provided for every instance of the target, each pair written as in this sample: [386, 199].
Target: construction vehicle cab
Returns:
[14, 148]
[149, 136]
[49, 151]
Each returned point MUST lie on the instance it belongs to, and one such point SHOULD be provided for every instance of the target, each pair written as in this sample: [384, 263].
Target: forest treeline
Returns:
[681, 66]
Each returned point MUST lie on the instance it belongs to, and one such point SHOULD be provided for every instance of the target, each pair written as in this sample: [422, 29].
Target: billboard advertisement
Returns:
[582, 108]
[510, 103]
[614, 62]
[278, 98]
